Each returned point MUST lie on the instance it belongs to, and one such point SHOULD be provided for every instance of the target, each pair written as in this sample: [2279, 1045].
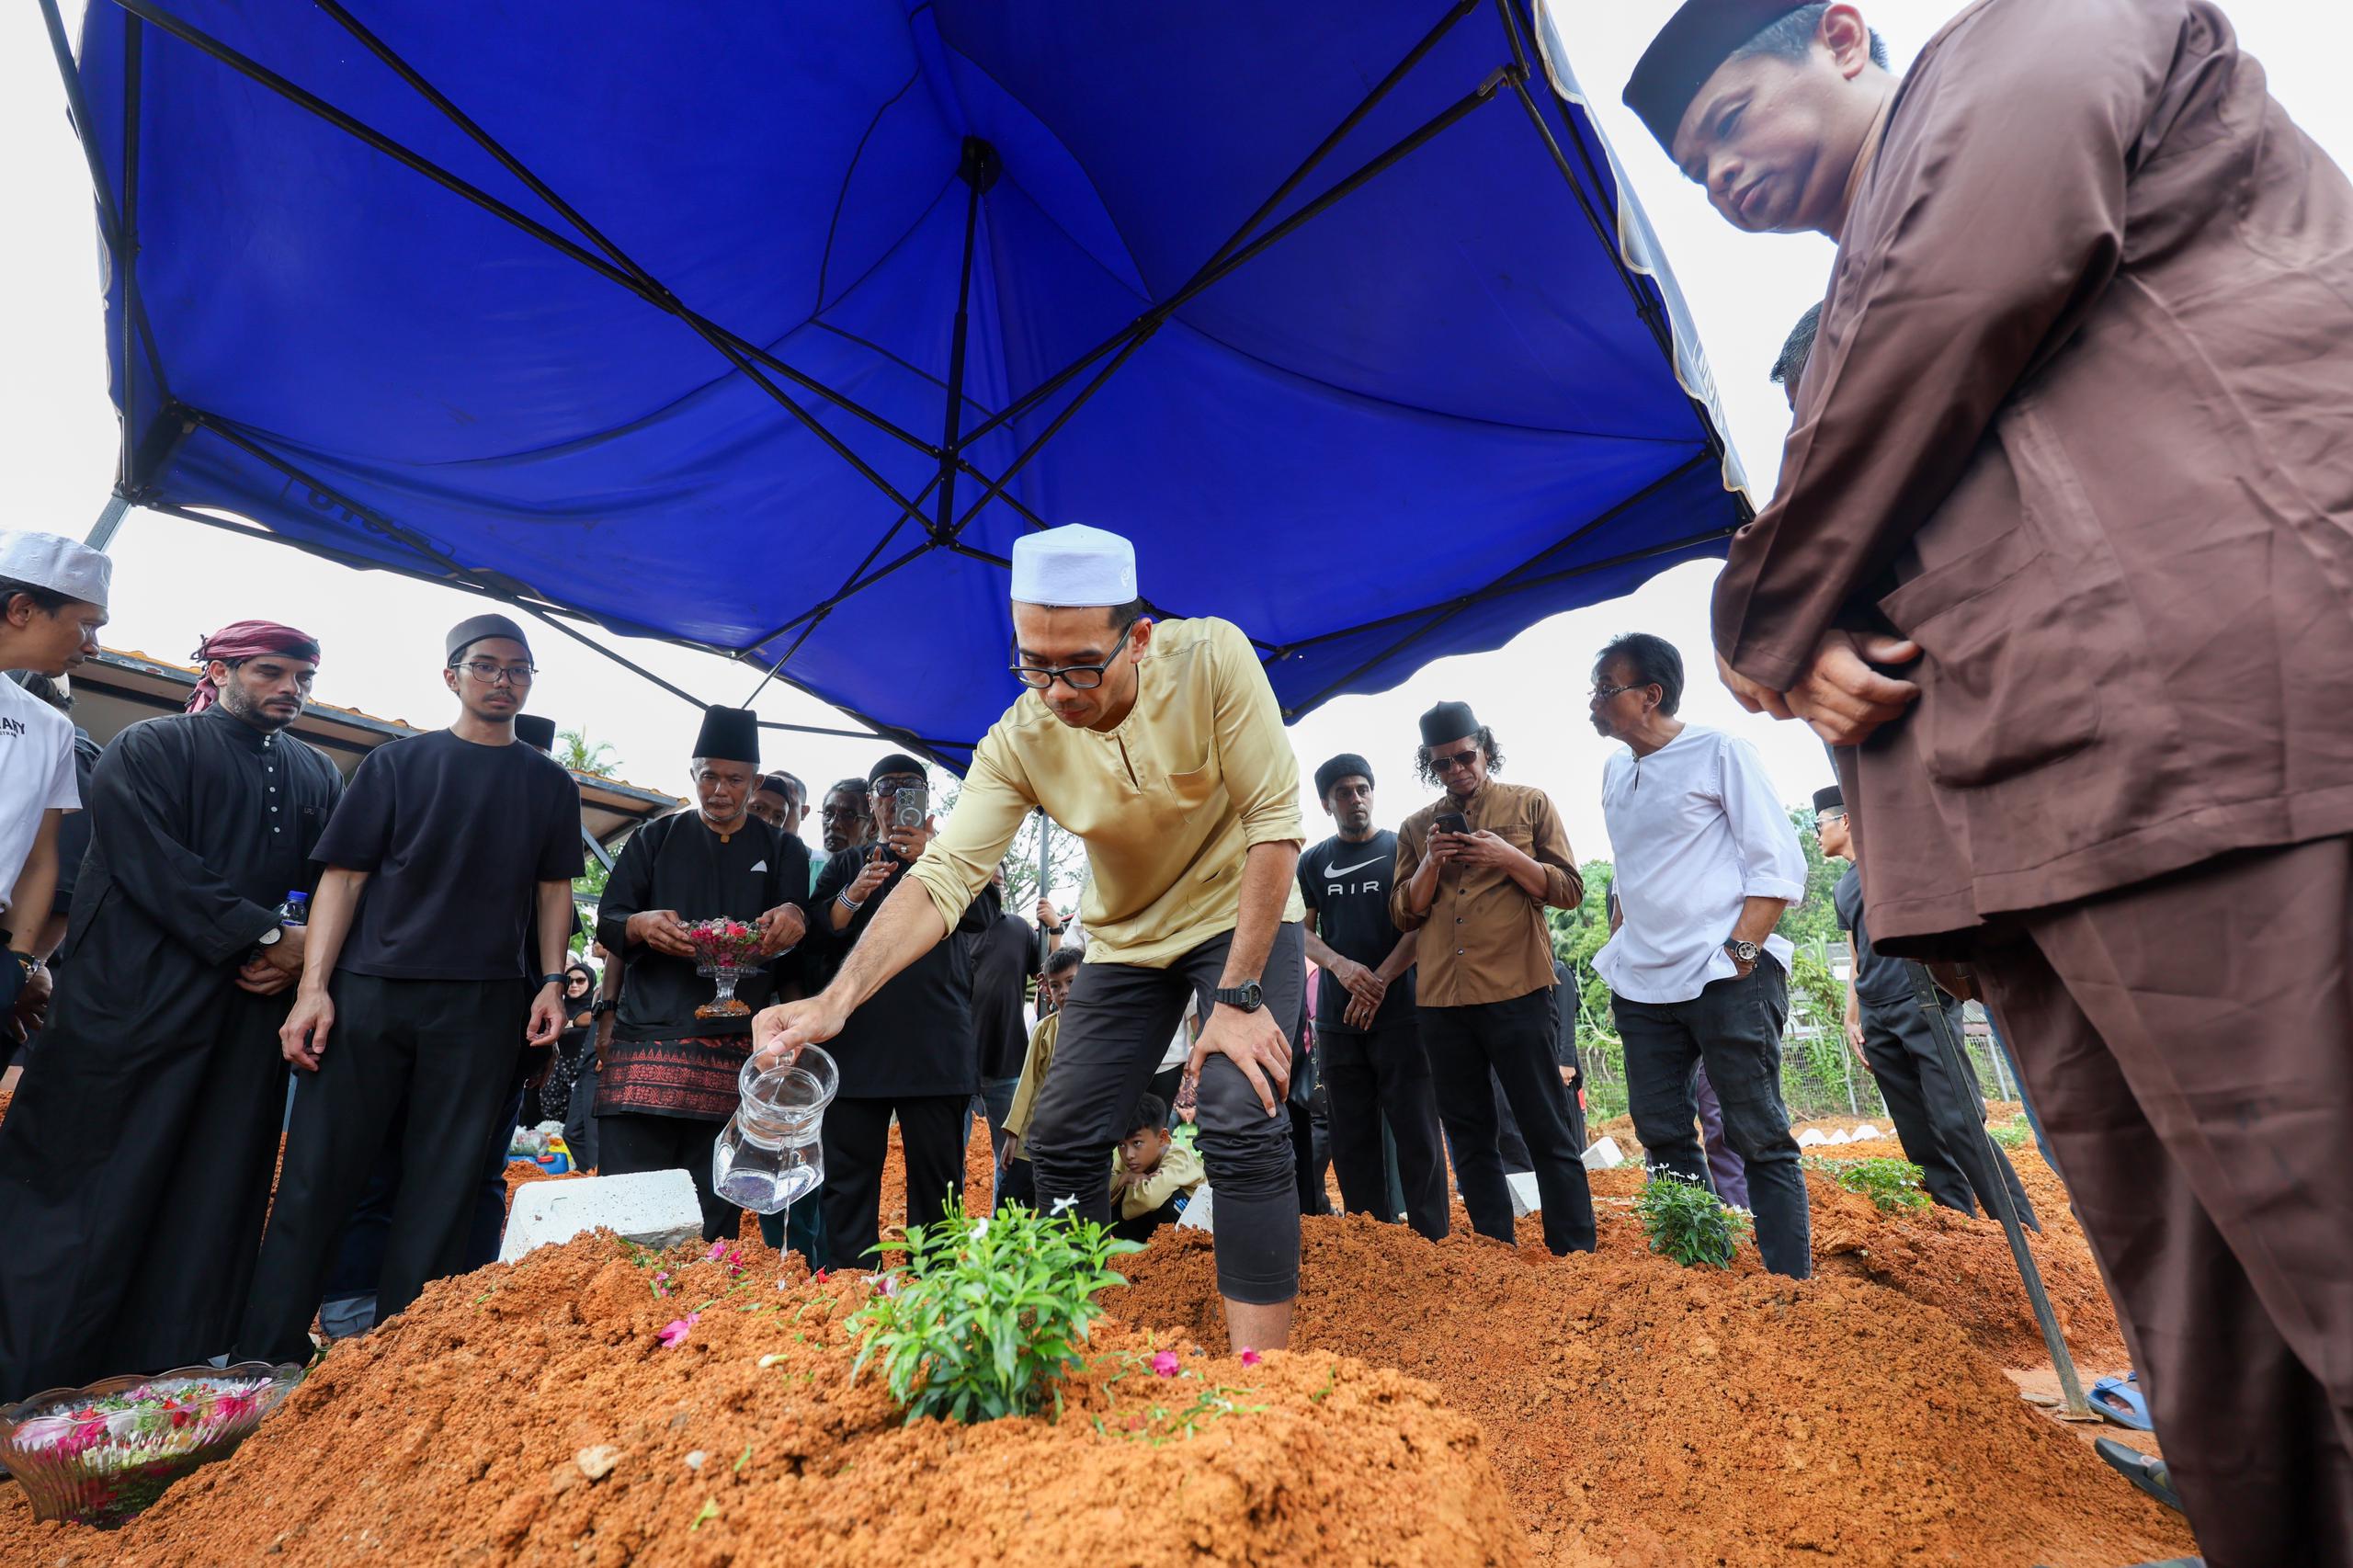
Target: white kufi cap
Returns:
[1074, 566]
[60, 565]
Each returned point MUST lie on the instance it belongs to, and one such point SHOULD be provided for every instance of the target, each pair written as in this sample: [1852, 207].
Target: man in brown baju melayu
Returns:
[2063, 559]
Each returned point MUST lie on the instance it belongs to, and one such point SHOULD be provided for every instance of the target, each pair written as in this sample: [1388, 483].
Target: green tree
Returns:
[578, 752]
[1814, 923]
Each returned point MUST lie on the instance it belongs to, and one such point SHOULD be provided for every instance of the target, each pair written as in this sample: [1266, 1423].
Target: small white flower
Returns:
[980, 1228]
[1064, 1205]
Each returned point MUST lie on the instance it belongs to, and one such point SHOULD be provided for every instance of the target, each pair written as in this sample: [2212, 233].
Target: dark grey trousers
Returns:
[1735, 1025]
[1115, 1028]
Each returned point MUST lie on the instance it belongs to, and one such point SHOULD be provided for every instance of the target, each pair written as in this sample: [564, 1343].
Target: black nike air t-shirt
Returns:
[455, 838]
[1347, 888]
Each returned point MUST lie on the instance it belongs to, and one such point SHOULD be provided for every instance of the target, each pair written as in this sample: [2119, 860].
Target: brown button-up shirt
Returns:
[1482, 938]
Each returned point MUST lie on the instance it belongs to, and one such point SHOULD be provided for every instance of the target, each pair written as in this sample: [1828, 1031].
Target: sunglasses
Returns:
[1447, 762]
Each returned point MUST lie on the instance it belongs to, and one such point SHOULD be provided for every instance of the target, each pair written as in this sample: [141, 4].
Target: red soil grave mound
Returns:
[1937, 1256]
[530, 1414]
[1647, 1415]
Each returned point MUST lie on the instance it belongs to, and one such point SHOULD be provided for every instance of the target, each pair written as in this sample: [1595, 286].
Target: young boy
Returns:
[1015, 1183]
[1153, 1175]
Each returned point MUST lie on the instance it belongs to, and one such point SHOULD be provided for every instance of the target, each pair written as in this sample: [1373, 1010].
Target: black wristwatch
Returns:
[1249, 997]
[1742, 952]
[558, 980]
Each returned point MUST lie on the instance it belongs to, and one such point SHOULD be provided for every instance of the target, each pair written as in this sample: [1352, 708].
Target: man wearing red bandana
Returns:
[135, 1162]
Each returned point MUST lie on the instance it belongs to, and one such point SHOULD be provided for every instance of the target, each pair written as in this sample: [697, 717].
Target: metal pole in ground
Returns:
[1045, 861]
[2071, 1387]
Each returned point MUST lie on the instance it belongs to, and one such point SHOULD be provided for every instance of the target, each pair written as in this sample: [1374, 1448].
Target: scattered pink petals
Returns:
[1250, 1358]
[1165, 1363]
[675, 1332]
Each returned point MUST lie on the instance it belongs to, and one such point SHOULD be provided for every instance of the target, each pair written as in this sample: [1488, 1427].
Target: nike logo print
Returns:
[1344, 870]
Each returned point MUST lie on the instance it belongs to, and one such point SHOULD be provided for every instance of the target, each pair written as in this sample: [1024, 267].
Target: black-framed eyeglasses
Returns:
[1604, 693]
[844, 814]
[1447, 762]
[491, 673]
[1078, 678]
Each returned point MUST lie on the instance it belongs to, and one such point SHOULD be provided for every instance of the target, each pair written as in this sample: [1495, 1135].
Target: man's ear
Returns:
[449, 676]
[1847, 37]
[1143, 638]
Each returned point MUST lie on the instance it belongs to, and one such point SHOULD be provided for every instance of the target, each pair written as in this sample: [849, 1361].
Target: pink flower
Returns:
[674, 1333]
[1250, 1358]
[1165, 1364]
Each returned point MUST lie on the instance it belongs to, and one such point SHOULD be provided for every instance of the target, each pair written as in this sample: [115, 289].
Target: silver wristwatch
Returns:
[1742, 952]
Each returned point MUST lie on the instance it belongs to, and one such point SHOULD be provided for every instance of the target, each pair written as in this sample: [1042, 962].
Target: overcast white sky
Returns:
[174, 581]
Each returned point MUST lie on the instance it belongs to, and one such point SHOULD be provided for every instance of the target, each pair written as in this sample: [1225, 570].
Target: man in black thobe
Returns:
[135, 1162]
[438, 854]
[909, 1051]
[1940, 1123]
[668, 1083]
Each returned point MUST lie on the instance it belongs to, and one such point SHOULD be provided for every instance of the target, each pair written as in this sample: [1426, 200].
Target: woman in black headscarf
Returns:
[572, 1047]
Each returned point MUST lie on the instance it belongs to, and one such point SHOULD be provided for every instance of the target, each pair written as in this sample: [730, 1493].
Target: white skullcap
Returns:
[1074, 566]
[60, 565]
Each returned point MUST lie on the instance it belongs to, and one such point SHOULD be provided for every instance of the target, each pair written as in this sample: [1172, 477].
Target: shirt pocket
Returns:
[2002, 692]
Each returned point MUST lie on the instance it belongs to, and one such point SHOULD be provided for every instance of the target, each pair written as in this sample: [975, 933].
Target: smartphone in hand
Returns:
[1450, 821]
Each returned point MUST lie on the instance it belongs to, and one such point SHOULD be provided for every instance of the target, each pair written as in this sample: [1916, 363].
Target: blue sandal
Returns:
[2121, 1400]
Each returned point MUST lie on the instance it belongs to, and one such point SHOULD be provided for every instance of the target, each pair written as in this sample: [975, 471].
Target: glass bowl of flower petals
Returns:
[723, 948]
[98, 1454]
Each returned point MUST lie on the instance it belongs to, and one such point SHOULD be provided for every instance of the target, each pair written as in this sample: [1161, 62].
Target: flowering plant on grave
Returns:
[988, 1314]
[724, 948]
[1687, 1222]
[99, 1454]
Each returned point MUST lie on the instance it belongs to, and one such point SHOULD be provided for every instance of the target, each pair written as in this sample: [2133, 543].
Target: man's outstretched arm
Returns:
[907, 927]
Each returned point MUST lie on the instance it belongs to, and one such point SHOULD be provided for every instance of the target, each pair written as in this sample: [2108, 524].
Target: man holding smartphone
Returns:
[910, 1053]
[1476, 869]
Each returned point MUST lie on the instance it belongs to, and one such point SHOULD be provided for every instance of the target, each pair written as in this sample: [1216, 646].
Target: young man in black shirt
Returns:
[909, 1051]
[1941, 1124]
[669, 1079]
[441, 851]
[1373, 1063]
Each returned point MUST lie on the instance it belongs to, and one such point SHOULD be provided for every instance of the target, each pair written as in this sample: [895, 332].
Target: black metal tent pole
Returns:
[978, 169]
[737, 349]
[1653, 315]
[126, 249]
[1282, 193]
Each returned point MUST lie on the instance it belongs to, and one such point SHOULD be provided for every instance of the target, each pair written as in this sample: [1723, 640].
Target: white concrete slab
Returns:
[653, 1209]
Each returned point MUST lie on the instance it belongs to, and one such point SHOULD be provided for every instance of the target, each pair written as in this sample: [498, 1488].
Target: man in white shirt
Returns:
[1706, 862]
[53, 602]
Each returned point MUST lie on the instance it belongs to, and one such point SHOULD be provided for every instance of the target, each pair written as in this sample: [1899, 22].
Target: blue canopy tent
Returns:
[767, 330]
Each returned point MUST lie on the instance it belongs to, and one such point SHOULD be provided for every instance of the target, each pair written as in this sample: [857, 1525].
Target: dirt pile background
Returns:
[1647, 1414]
[530, 1414]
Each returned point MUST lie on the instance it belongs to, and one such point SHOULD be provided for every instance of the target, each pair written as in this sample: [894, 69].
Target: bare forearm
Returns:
[36, 887]
[907, 927]
[556, 922]
[1267, 872]
[1421, 888]
[1757, 919]
[331, 914]
[1528, 872]
[1320, 952]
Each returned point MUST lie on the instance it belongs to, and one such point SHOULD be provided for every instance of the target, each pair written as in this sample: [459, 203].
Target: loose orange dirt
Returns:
[530, 1414]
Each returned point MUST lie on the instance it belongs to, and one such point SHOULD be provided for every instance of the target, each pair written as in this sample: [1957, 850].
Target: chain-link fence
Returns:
[1820, 1075]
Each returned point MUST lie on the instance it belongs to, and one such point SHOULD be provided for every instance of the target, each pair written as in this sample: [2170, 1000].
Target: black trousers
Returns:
[1385, 1074]
[631, 1142]
[1114, 1029]
[359, 1252]
[856, 1138]
[1948, 1118]
[1513, 1038]
[1735, 1025]
[446, 1048]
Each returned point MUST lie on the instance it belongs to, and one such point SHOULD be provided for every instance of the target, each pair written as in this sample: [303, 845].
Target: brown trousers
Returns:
[2189, 1042]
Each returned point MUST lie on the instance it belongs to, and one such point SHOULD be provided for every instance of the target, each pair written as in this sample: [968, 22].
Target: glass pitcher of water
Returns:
[768, 1155]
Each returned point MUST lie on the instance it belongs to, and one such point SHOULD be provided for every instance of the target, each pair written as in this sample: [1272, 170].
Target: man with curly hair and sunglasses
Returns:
[1476, 869]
